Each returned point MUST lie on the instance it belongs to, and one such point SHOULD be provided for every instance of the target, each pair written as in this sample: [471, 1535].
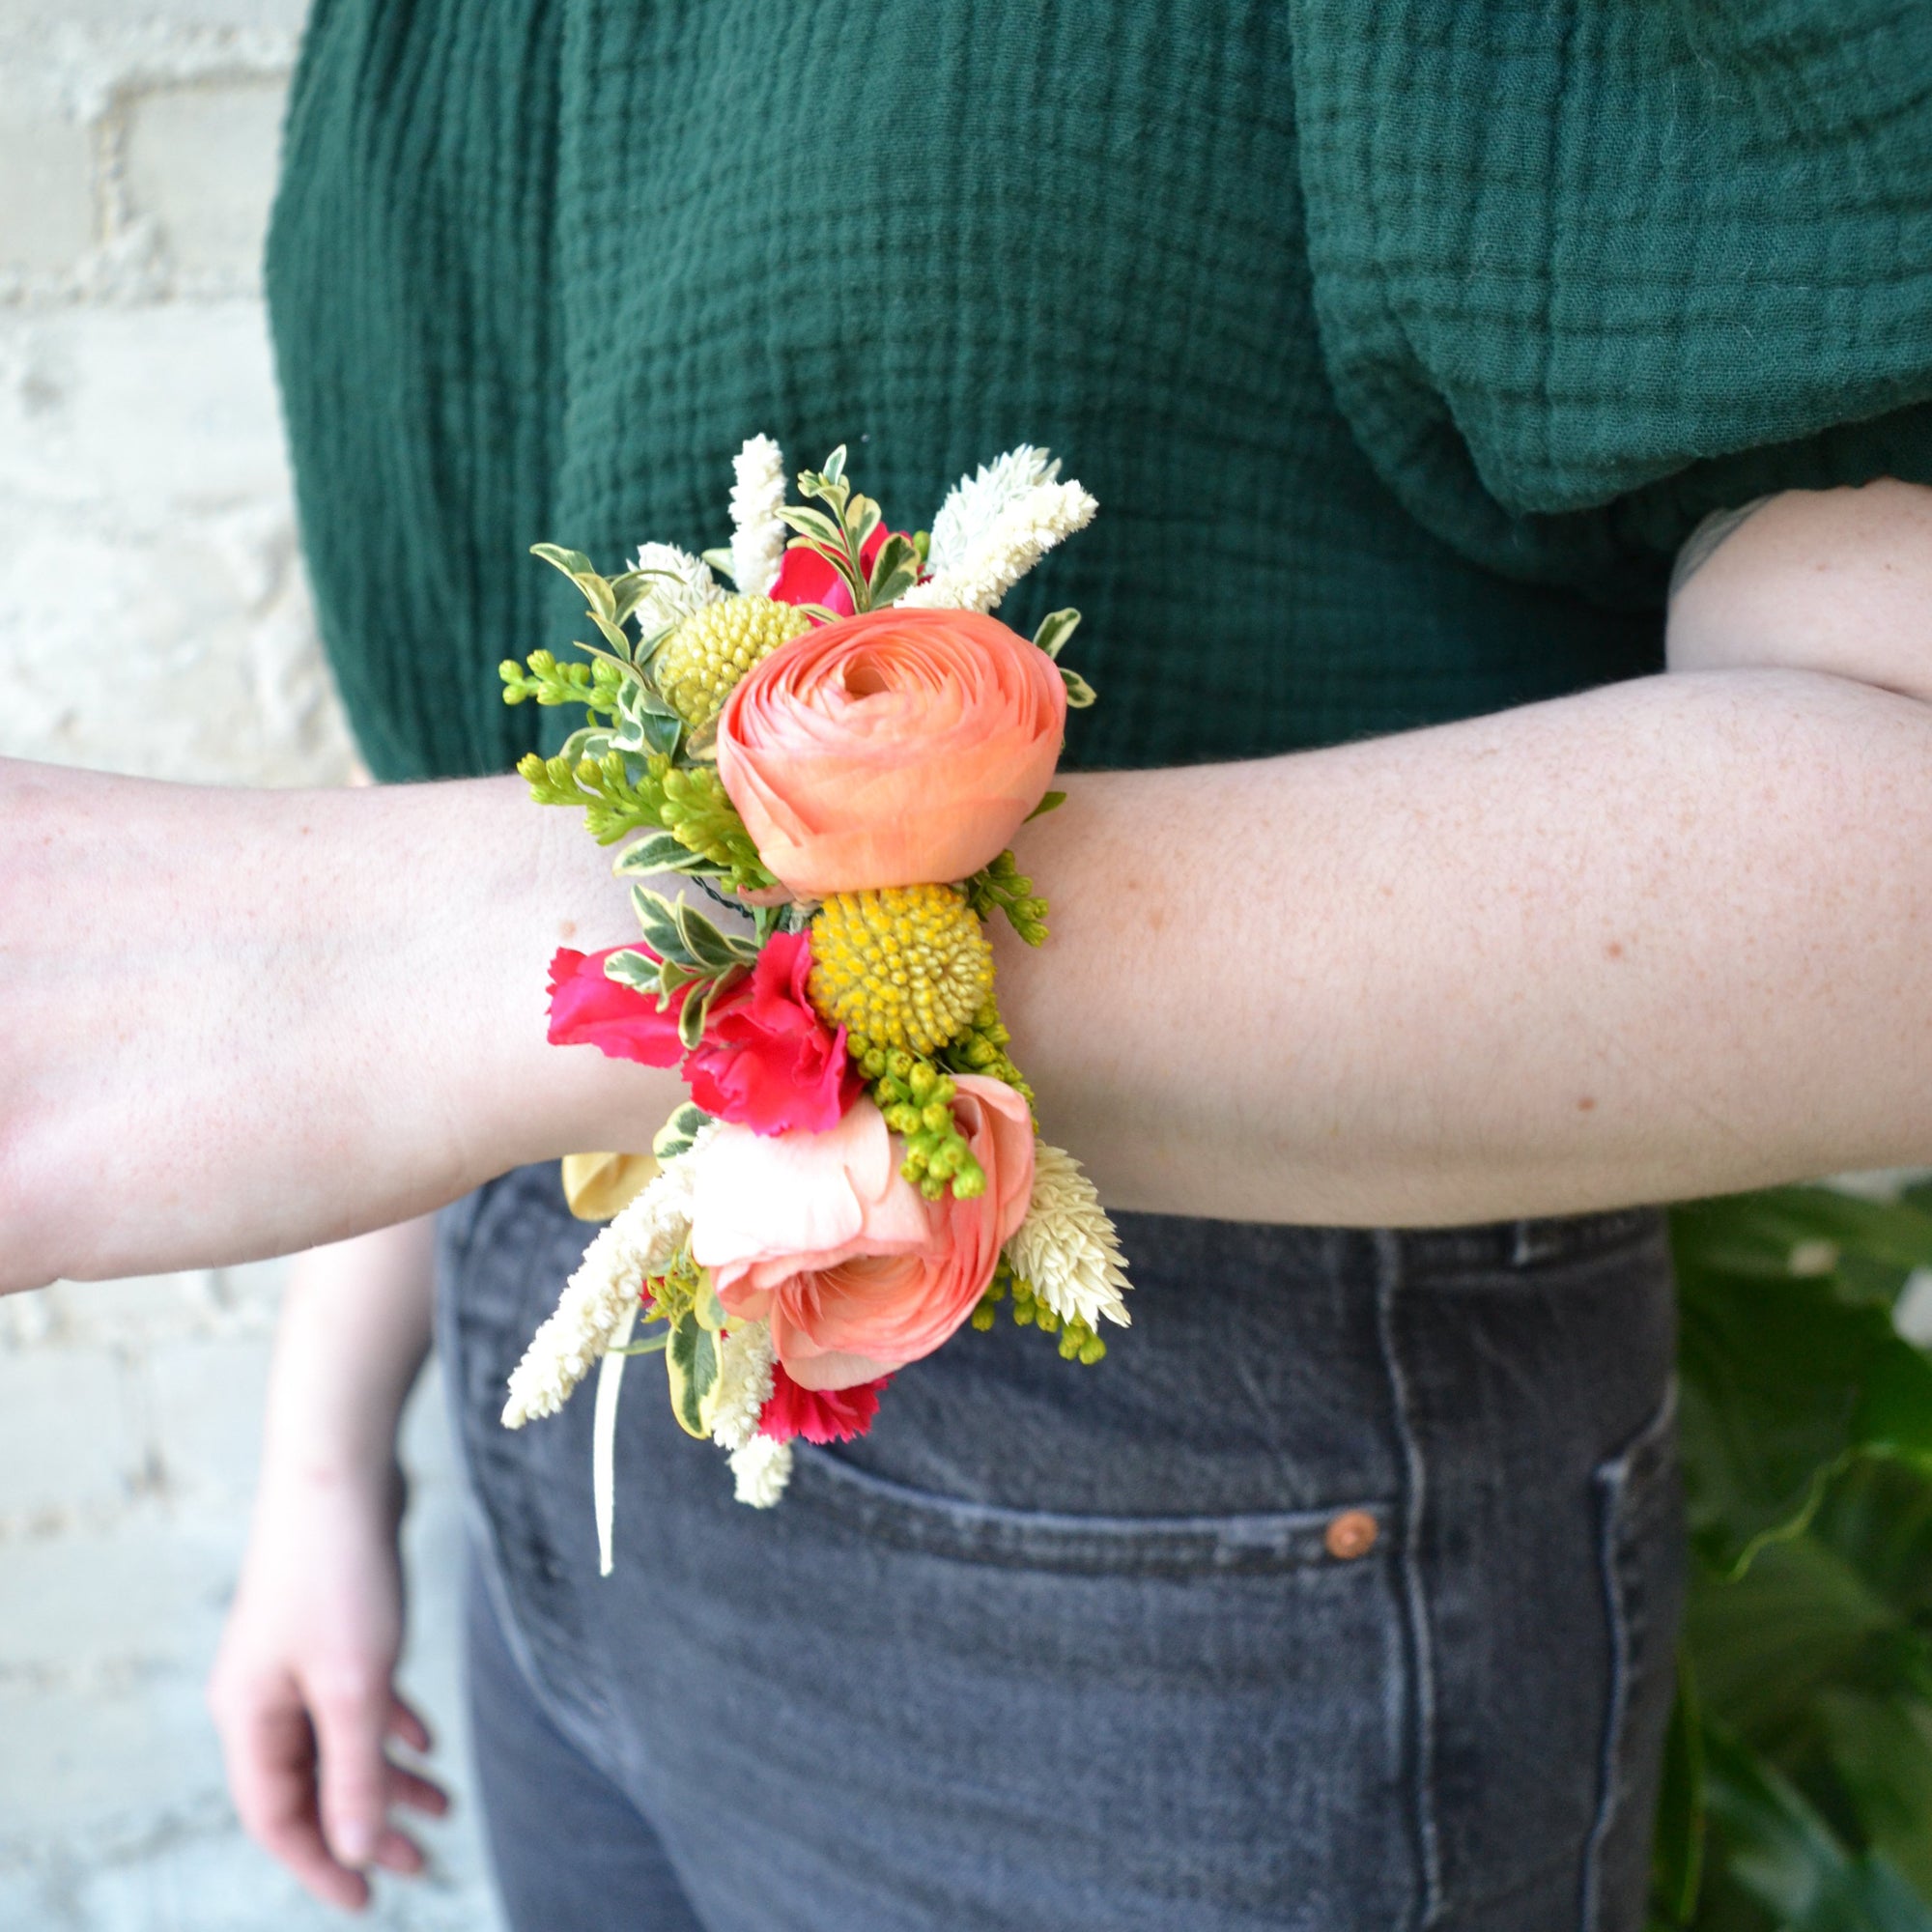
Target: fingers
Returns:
[417, 1793]
[350, 1703]
[405, 1723]
[269, 1751]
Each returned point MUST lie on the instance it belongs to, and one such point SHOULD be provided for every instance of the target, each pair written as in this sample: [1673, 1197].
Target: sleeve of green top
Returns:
[1587, 269]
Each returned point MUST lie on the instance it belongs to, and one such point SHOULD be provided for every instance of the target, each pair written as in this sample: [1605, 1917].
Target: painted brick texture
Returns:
[154, 620]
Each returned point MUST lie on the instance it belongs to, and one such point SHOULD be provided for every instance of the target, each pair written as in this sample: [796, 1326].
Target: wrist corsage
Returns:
[835, 756]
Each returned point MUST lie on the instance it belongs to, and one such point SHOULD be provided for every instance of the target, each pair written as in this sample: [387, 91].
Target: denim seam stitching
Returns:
[1388, 1285]
[1613, 1483]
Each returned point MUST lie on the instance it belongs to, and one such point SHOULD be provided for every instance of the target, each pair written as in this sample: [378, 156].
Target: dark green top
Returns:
[1402, 343]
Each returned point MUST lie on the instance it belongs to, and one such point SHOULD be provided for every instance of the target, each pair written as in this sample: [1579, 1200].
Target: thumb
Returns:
[350, 1705]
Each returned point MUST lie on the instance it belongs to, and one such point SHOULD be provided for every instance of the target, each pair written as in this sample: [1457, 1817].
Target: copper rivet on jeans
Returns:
[1350, 1535]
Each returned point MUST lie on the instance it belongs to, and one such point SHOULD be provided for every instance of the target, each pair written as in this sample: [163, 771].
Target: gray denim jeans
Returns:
[1341, 1595]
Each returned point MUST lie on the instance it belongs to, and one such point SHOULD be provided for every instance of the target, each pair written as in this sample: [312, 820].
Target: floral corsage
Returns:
[837, 756]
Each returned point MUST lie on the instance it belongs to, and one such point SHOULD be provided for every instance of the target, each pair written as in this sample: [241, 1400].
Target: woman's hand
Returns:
[303, 1687]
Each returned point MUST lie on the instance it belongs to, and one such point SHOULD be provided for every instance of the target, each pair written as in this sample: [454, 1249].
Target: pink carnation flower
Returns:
[589, 1009]
[767, 1061]
[820, 1415]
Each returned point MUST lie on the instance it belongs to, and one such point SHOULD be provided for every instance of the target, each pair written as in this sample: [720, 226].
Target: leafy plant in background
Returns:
[1798, 1783]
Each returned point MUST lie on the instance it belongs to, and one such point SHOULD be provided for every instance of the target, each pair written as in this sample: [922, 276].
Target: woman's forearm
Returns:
[240, 1023]
[1647, 942]
[1663, 939]
[353, 1331]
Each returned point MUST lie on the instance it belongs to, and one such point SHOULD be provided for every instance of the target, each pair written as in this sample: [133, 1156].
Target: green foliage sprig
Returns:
[839, 533]
[1797, 1780]
[1001, 887]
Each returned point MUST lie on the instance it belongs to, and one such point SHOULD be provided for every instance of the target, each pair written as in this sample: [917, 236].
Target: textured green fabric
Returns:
[1401, 343]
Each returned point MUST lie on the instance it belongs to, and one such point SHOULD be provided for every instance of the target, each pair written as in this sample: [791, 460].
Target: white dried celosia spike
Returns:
[758, 534]
[974, 503]
[686, 585]
[1015, 540]
[639, 1241]
[744, 1360]
[762, 1469]
[1066, 1250]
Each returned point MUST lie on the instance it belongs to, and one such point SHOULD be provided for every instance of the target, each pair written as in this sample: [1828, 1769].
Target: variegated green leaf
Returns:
[638, 971]
[659, 919]
[894, 571]
[654, 852]
[690, 1361]
[706, 1307]
[720, 561]
[572, 562]
[1079, 693]
[660, 734]
[813, 526]
[704, 944]
[1054, 628]
[678, 1132]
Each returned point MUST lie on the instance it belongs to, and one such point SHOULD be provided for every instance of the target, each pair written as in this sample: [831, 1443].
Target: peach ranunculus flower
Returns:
[855, 1270]
[898, 747]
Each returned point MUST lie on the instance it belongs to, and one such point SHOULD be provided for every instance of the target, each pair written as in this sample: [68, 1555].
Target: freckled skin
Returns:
[1373, 1024]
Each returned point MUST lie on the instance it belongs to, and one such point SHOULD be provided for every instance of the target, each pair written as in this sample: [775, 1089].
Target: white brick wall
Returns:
[153, 619]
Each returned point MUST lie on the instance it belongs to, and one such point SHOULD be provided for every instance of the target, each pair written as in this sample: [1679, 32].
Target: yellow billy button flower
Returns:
[906, 966]
[716, 645]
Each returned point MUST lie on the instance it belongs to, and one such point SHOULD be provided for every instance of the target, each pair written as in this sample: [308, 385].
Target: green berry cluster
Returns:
[613, 802]
[1078, 1342]
[594, 684]
[916, 1098]
[982, 1049]
[1001, 887]
[699, 814]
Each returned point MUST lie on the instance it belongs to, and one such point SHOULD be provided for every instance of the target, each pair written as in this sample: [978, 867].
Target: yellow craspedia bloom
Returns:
[716, 645]
[906, 966]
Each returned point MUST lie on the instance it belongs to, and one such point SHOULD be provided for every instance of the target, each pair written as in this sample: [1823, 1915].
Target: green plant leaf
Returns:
[894, 571]
[1880, 1746]
[1800, 1619]
[572, 562]
[676, 1135]
[638, 971]
[1054, 628]
[1079, 693]
[1782, 1855]
[655, 852]
[1677, 1851]
[815, 530]
[705, 946]
[662, 932]
[691, 1362]
[1051, 802]
[1784, 1376]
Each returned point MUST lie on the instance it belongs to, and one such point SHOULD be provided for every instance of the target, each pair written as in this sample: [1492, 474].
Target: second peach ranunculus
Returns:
[900, 748]
[855, 1270]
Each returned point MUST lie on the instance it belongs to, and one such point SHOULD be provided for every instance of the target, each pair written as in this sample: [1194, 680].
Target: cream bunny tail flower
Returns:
[745, 1358]
[1008, 548]
[639, 1241]
[1066, 1250]
[762, 1469]
[974, 503]
[757, 532]
[684, 586]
